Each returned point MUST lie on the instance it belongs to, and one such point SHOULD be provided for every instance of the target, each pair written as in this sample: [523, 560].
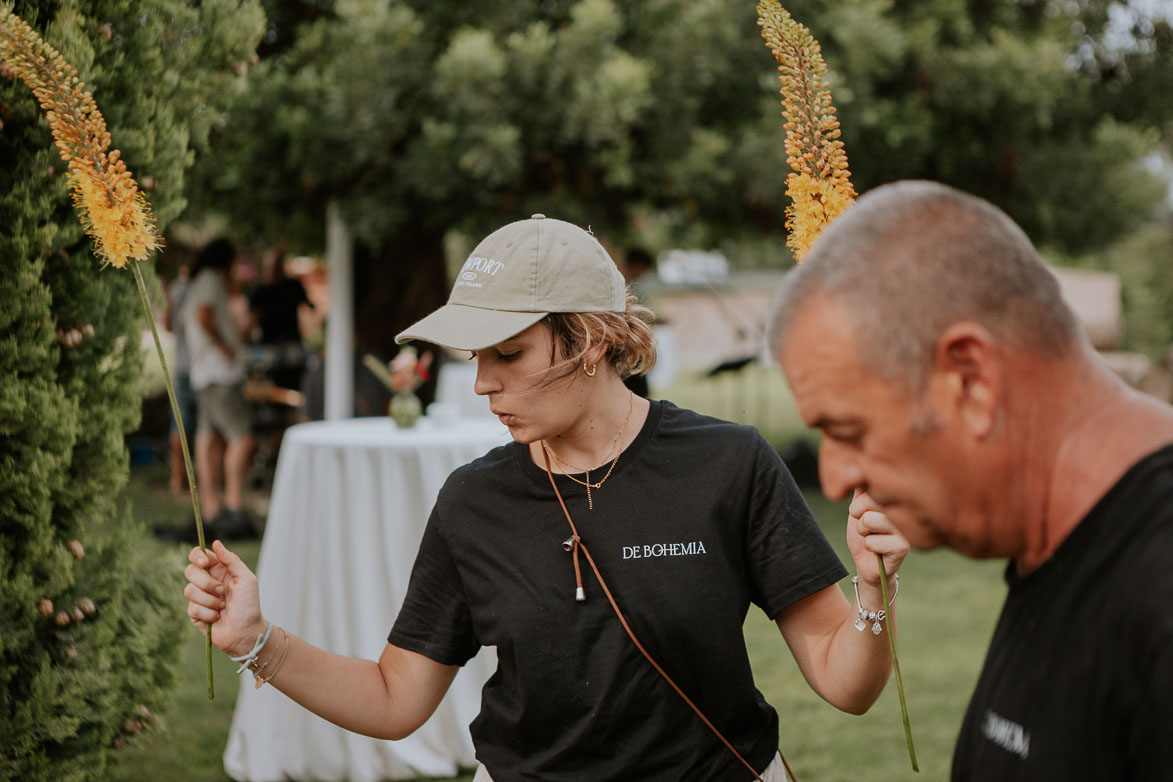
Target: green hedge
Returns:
[87, 644]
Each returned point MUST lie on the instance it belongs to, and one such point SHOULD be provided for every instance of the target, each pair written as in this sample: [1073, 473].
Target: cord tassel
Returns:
[579, 592]
[571, 545]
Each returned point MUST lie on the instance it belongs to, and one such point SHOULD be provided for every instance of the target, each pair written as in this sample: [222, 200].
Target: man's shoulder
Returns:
[1141, 507]
[1149, 568]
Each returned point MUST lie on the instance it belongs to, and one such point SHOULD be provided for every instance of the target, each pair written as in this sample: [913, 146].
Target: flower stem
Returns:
[896, 665]
[195, 498]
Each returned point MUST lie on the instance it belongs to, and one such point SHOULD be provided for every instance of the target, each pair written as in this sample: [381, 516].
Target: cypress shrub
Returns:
[89, 617]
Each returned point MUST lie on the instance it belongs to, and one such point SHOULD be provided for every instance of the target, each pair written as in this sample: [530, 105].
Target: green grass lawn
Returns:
[947, 608]
[190, 739]
[754, 395]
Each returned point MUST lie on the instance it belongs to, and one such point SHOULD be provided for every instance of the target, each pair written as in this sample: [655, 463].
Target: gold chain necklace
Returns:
[615, 443]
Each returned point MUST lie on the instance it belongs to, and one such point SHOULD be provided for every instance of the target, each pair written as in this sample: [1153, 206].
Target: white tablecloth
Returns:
[349, 505]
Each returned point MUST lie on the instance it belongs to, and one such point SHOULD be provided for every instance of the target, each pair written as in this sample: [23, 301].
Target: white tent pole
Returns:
[340, 322]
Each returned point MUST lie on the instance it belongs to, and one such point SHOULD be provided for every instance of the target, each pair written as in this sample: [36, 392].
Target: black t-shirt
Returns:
[276, 308]
[1078, 682]
[699, 519]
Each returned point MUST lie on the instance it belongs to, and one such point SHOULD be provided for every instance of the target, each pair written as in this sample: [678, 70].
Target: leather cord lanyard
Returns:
[574, 544]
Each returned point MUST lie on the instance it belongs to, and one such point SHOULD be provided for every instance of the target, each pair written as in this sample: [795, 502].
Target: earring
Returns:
[590, 372]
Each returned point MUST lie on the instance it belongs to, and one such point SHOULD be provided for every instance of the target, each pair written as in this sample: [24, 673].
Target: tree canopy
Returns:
[439, 114]
[421, 116]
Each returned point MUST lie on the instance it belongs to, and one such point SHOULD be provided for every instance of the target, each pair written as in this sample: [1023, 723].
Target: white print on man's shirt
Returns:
[1007, 734]
[649, 550]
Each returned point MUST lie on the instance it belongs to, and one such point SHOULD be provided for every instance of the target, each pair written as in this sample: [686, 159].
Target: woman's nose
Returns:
[486, 382]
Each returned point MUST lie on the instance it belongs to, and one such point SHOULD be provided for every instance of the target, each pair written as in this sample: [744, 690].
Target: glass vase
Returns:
[405, 409]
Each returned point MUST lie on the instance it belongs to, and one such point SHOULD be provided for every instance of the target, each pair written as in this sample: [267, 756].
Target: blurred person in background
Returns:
[217, 375]
[277, 357]
[274, 322]
[639, 270]
[185, 395]
[928, 342]
[689, 519]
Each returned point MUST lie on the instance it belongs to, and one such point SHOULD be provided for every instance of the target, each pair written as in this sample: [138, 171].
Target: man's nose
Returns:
[838, 472]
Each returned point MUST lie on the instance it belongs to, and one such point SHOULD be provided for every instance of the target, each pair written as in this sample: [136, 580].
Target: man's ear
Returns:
[967, 369]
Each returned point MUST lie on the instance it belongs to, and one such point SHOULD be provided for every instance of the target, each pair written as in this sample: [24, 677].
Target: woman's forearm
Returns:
[846, 667]
[389, 699]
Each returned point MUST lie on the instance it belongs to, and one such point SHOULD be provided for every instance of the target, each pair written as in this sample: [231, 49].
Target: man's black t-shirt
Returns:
[699, 519]
[1078, 682]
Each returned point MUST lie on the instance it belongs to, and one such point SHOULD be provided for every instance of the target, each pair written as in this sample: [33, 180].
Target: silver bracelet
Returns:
[875, 617]
[245, 659]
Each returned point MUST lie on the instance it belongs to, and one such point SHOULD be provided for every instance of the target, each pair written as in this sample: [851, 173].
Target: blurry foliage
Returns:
[1143, 260]
[432, 115]
[426, 116]
[993, 98]
[88, 632]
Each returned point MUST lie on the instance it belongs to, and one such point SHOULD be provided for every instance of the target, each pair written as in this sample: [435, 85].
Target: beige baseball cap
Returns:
[518, 275]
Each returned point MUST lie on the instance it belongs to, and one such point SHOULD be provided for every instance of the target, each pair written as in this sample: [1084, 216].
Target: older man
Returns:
[926, 340]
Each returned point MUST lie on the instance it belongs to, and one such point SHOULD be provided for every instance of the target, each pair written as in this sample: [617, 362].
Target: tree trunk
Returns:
[396, 284]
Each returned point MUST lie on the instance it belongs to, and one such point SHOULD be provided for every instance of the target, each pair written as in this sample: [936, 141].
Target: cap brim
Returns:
[461, 327]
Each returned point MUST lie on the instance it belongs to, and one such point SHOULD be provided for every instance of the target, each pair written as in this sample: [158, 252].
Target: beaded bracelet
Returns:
[875, 617]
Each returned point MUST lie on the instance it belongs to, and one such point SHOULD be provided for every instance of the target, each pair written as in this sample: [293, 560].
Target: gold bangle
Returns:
[280, 660]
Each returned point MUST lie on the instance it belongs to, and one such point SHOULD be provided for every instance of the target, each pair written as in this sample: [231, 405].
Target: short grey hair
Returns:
[911, 258]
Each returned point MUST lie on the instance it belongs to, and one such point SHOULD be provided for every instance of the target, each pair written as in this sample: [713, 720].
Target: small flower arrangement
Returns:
[409, 370]
[406, 372]
[402, 376]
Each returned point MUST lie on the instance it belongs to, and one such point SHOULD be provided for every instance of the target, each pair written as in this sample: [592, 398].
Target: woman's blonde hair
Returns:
[631, 345]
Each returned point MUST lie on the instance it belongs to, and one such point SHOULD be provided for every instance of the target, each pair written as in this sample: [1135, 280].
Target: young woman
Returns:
[686, 519]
